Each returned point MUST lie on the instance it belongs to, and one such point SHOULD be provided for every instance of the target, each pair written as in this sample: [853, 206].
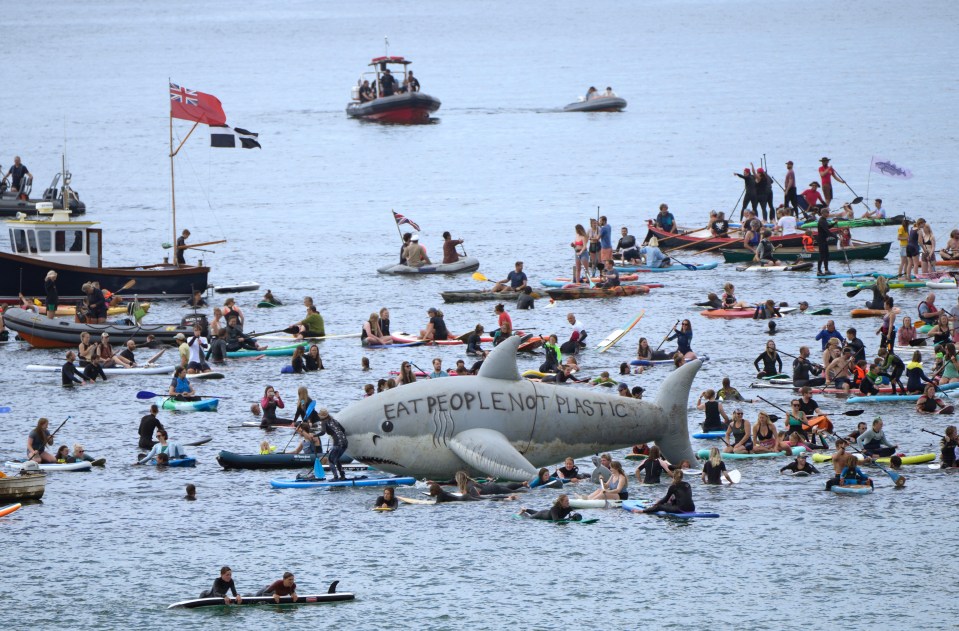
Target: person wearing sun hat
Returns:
[416, 253]
[826, 174]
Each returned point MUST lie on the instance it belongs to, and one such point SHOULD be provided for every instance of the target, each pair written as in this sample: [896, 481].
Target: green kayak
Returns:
[868, 251]
[273, 351]
[858, 223]
[265, 304]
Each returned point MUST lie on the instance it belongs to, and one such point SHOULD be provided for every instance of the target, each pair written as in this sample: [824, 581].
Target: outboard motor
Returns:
[196, 318]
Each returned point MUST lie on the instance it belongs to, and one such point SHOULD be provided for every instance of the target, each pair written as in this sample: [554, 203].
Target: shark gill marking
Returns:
[443, 428]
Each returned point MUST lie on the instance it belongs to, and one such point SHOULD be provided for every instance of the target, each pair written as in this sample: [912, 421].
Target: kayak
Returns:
[710, 435]
[81, 465]
[867, 313]
[140, 370]
[480, 295]
[675, 267]
[465, 264]
[575, 293]
[406, 338]
[867, 251]
[12, 508]
[703, 454]
[231, 460]
[796, 267]
[633, 506]
[864, 222]
[303, 599]
[266, 304]
[202, 405]
[917, 459]
[525, 517]
[186, 461]
[311, 484]
[229, 289]
[275, 351]
[851, 489]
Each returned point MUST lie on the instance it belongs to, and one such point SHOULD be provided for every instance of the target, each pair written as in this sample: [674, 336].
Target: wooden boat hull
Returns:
[480, 295]
[694, 241]
[596, 292]
[22, 487]
[870, 251]
[24, 274]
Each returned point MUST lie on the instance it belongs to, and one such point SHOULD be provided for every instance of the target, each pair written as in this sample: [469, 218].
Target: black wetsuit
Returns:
[98, 304]
[803, 370]
[525, 301]
[678, 499]
[858, 349]
[220, 589]
[556, 513]
[312, 364]
[714, 421]
[627, 247]
[69, 374]
[772, 364]
[218, 350]
[714, 474]
[385, 327]
[148, 425]
[793, 466]
[898, 368]
[332, 428]
[764, 193]
[382, 502]
[570, 473]
[235, 339]
[947, 452]
[878, 299]
[822, 227]
[473, 344]
[495, 488]
[444, 496]
[440, 332]
[652, 470]
[91, 372]
[552, 363]
[749, 196]
[301, 413]
[53, 298]
[298, 365]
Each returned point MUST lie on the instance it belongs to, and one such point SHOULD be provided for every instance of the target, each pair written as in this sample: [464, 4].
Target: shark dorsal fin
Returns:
[501, 362]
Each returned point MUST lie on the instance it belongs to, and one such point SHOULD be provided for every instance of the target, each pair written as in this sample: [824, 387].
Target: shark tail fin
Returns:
[673, 398]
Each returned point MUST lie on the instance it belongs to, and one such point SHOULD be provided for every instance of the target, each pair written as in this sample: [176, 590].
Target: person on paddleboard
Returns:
[559, 511]
[678, 498]
[873, 441]
[851, 474]
[37, 442]
[280, 588]
[222, 587]
[332, 428]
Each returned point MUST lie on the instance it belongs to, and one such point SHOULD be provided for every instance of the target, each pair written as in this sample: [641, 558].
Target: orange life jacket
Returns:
[808, 243]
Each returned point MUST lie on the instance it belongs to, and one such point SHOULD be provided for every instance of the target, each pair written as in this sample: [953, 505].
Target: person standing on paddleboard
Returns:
[826, 174]
[332, 428]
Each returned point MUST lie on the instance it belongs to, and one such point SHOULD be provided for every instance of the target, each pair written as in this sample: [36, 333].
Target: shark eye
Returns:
[387, 426]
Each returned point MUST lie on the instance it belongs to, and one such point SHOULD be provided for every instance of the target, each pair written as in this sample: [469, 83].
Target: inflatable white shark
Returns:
[500, 425]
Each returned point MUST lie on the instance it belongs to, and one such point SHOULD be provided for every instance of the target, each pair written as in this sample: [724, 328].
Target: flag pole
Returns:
[176, 259]
[398, 231]
[869, 176]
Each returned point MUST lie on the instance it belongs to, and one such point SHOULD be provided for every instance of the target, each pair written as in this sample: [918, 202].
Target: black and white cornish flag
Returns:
[232, 137]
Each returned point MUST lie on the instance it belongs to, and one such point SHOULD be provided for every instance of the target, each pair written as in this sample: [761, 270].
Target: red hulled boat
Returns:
[384, 97]
[703, 239]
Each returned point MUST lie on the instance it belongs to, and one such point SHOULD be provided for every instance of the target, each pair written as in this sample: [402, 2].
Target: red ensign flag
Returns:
[195, 106]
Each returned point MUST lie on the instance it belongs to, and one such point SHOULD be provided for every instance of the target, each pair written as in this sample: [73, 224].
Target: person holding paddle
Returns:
[180, 387]
[929, 403]
[516, 279]
[37, 442]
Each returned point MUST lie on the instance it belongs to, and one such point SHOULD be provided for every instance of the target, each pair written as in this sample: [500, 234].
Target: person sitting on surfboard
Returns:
[873, 441]
[929, 403]
[615, 487]
[851, 474]
[560, 511]
[678, 498]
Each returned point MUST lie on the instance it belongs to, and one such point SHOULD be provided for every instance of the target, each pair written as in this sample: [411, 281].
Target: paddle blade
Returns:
[853, 412]
[899, 481]
[4, 410]
[852, 292]
[478, 276]
[130, 283]
[858, 200]
[143, 394]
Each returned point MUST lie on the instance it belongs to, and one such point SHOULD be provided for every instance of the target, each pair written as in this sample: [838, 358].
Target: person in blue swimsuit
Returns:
[615, 487]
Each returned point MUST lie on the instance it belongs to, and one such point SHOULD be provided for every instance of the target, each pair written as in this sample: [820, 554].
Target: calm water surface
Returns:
[711, 87]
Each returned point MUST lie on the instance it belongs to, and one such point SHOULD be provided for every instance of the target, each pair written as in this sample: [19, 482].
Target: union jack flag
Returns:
[400, 220]
[183, 95]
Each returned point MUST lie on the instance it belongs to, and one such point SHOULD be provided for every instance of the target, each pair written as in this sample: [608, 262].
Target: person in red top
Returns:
[826, 174]
[812, 196]
[449, 248]
[504, 318]
[283, 587]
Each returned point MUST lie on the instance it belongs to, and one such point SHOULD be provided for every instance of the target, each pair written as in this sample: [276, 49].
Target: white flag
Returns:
[890, 168]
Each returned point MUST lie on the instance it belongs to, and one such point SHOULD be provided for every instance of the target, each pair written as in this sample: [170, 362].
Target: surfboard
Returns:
[383, 509]
[557, 521]
[734, 475]
[796, 474]
[207, 375]
[414, 500]
[610, 340]
[634, 506]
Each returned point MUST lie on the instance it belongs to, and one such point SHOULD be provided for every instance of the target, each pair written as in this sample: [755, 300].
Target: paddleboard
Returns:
[113, 372]
[852, 489]
[6, 510]
[415, 500]
[710, 435]
[619, 334]
[289, 339]
[637, 506]
[228, 289]
[576, 502]
[250, 601]
[351, 482]
[734, 475]
[557, 521]
[796, 474]
[206, 375]
[703, 454]
[885, 398]
[82, 465]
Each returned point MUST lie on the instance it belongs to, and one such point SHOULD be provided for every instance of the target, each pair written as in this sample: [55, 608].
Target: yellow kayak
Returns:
[917, 459]
[69, 310]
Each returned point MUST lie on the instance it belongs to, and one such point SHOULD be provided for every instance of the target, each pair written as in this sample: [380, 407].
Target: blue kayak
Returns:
[634, 505]
[892, 398]
[188, 461]
[710, 435]
[312, 484]
[851, 489]
[672, 268]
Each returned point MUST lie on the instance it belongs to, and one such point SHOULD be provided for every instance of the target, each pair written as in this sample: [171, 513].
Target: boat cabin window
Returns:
[77, 245]
[32, 240]
[18, 239]
[43, 240]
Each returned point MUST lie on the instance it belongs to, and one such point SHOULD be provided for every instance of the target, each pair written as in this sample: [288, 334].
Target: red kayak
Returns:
[728, 313]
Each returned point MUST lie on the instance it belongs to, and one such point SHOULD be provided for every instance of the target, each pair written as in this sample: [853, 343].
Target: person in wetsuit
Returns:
[771, 361]
[559, 511]
[804, 369]
[873, 441]
[387, 500]
[222, 587]
[269, 403]
[799, 465]
[764, 249]
[473, 341]
[684, 339]
[823, 234]
[678, 498]
[436, 491]
[69, 374]
[915, 376]
[436, 327]
[94, 369]
[749, 193]
[332, 428]
[947, 448]
[569, 471]
[148, 425]
[312, 361]
[651, 468]
[929, 403]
